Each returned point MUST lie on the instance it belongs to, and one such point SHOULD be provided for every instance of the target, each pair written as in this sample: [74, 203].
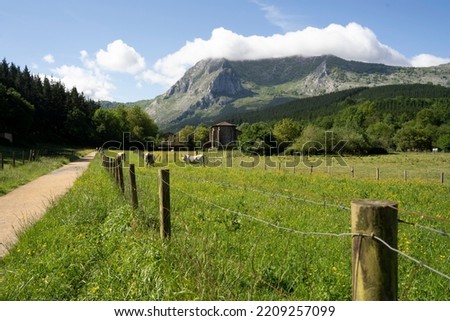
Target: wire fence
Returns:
[14, 159]
[370, 167]
[276, 195]
[291, 230]
[323, 203]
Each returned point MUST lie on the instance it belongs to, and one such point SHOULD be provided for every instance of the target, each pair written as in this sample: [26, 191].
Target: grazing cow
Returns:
[435, 150]
[149, 159]
[198, 159]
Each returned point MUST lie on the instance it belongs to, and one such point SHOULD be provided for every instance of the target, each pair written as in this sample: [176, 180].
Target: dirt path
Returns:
[26, 204]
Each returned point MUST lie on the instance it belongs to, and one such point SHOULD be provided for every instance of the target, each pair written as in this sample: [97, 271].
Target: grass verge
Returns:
[24, 172]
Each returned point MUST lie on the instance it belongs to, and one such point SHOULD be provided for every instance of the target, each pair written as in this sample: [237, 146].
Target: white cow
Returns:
[197, 159]
[149, 159]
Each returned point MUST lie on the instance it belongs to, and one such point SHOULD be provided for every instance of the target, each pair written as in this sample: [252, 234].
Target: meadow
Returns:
[238, 232]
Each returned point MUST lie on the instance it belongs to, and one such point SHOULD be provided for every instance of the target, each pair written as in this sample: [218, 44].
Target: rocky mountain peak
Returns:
[208, 81]
[214, 88]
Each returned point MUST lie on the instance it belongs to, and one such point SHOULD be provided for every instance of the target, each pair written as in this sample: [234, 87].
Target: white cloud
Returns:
[352, 42]
[121, 58]
[426, 60]
[88, 79]
[91, 78]
[49, 59]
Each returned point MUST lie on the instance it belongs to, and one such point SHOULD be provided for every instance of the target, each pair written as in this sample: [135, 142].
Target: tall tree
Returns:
[141, 126]
[16, 113]
[186, 136]
[287, 129]
[201, 135]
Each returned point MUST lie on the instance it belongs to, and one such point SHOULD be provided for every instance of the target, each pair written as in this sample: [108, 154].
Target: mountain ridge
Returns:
[216, 88]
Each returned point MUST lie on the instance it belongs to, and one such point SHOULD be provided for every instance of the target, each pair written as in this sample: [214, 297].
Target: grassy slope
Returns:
[93, 246]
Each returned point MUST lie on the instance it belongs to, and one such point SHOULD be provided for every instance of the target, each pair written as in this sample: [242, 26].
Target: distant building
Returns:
[223, 135]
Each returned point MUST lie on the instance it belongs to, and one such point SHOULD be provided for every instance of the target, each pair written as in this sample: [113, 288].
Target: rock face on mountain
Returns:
[213, 77]
[216, 88]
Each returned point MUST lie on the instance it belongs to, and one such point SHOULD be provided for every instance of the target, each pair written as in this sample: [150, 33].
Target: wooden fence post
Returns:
[377, 174]
[405, 175]
[112, 166]
[120, 171]
[353, 171]
[164, 203]
[442, 177]
[374, 265]
[134, 197]
[116, 171]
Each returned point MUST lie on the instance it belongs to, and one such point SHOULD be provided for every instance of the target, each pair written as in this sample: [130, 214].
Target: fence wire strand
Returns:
[319, 203]
[324, 203]
[440, 232]
[288, 229]
[289, 197]
[410, 257]
[292, 230]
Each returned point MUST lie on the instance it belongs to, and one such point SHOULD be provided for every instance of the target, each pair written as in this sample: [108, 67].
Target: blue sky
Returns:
[128, 50]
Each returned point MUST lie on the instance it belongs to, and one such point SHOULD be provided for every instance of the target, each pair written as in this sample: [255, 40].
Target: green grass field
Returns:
[18, 169]
[238, 233]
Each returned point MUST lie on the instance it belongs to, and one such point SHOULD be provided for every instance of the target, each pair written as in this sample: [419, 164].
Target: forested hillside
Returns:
[39, 110]
[387, 118]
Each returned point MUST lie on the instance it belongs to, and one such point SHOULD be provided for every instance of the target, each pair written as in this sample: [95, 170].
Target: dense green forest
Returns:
[369, 120]
[37, 110]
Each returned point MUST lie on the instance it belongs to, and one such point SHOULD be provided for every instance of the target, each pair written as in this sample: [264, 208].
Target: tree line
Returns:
[361, 128]
[37, 109]
[361, 125]
[370, 120]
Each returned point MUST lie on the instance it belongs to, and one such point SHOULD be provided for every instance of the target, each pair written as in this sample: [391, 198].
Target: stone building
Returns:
[223, 135]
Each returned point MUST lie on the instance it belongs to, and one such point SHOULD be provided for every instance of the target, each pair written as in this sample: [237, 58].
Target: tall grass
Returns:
[55, 257]
[11, 178]
[93, 246]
